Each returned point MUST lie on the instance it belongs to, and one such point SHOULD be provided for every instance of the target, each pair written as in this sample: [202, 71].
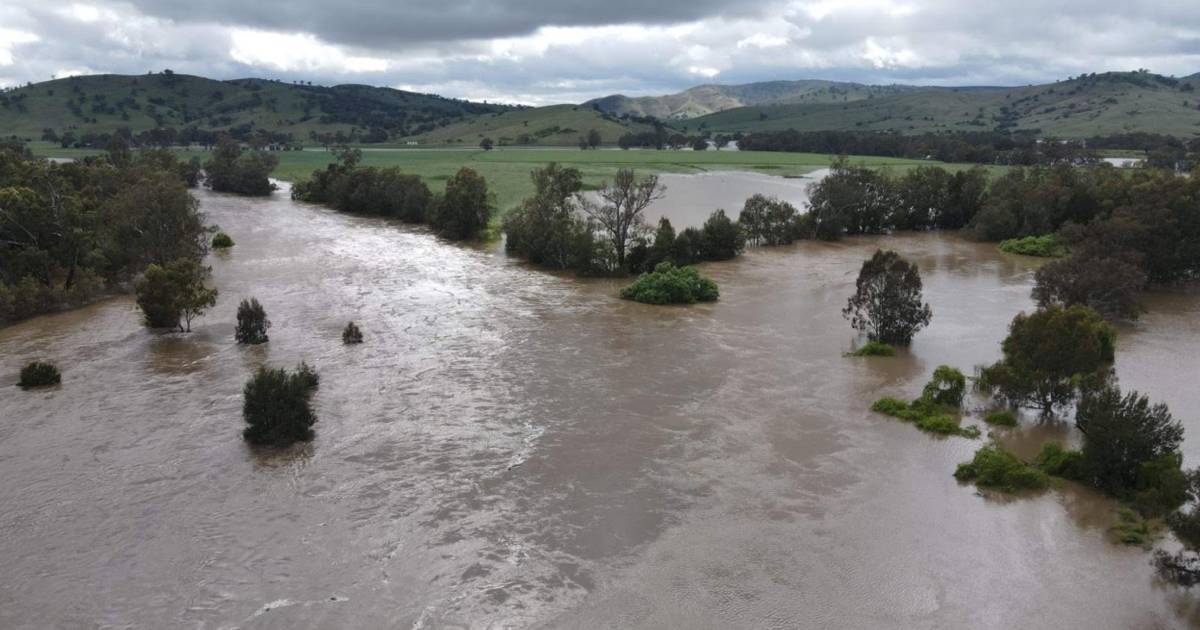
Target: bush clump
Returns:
[1132, 529]
[276, 406]
[926, 415]
[874, 349]
[1060, 462]
[351, 334]
[39, 374]
[1002, 418]
[1045, 246]
[993, 467]
[669, 284]
[947, 387]
[222, 240]
[252, 323]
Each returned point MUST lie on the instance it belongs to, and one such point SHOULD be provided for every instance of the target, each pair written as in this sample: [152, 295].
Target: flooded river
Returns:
[512, 448]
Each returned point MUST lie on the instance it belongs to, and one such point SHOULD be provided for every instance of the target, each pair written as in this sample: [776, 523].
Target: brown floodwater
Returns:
[513, 448]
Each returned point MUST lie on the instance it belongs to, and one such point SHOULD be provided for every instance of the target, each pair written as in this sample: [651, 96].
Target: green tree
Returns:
[245, 172]
[593, 139]
[887, 302]
[252, 323]
[1049, 356]
[1122, 434]
[486, 144]
[276, 406]
[1109, 283]
[723, 239]
[465, 209]
[623, 202]
[947, 387]
[174, 295]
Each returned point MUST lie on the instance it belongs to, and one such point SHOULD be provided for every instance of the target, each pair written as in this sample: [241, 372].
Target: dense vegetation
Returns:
[69, 232]
[994, 467]
[1015, 149]
[39, 374]
[238, 170]
[462, 212]
[276, 406]
[887, 302]
[669, 284]
[937, 409]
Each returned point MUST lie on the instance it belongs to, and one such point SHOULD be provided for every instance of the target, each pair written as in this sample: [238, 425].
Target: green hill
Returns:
[707, 99]
[556, 125]
[1097, 104]
[107, 103]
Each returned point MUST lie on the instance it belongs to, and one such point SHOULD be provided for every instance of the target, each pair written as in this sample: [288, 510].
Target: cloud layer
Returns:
[546, 51]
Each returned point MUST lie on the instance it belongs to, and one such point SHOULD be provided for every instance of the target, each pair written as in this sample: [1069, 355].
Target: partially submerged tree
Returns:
[620, 210]
[465, 209]
[174, 295]
[351, 334]
[1049, 356]
[1108, 283]
[1123, 434]
[252, 323]
[276, 406]
[887, 302]
[39, 374]
[237, 170]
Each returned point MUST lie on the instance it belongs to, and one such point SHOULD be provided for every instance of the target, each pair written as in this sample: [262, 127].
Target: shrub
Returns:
[1045, 246]
[874, 349]
[946, 388]
[1003, 418]
[926, 415]
[351, 334]
[252, 323]
[1060, 462]
[174, 295]
[994, 467]
[669, 284]
[222, 241]
[1132, 529]
[276, 406]
[39, 374]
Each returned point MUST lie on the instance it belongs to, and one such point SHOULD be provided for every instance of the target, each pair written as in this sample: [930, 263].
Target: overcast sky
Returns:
[552, 51]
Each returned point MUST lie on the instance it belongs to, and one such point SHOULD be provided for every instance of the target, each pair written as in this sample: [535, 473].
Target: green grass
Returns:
[873, 349]
[507, 170]
[556, 125]
[1132, 529]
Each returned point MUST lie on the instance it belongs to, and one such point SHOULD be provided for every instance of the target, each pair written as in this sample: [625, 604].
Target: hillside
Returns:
[1097, 104]
[556, 125]
[106, 103]
[708, 99]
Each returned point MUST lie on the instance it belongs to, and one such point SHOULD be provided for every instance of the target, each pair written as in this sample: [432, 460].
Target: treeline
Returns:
[163, 137]
[1017, 149]
[461, 212]
[69, 232]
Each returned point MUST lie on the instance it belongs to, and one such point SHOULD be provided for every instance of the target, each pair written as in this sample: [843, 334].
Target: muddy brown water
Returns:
[512, 448]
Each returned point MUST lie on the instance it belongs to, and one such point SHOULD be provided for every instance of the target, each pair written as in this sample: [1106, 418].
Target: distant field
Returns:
[507, 169]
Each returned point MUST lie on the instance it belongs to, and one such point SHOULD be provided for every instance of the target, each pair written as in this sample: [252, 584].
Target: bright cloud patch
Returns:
[297, 52]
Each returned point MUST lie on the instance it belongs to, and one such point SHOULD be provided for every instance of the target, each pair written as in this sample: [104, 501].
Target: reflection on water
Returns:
[516, 448]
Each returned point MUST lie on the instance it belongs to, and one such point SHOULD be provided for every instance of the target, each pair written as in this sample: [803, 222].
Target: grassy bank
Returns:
[507, 169]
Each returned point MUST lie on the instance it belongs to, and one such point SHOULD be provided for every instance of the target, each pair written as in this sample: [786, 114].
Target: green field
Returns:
[507, 170]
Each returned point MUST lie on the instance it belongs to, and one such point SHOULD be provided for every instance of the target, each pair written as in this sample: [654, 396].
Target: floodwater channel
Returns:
[516, 448]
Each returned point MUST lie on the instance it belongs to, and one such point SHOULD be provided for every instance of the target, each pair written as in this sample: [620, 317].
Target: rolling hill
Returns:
[555, 125]
[106, 103]
[1089, 105]
[707, 99]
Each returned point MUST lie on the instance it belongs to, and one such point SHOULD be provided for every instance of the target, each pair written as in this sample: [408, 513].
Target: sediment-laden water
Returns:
[513, 448]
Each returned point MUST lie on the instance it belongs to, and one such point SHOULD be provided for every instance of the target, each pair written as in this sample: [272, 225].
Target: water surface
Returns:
[512, 448]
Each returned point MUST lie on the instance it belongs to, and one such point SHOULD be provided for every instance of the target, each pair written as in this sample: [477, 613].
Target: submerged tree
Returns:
[351, 334]
[465, 209]
[620, 210]
[887, 303]
[174, 295]
[39, 374]
[252, 323]
[1122, 434]
[1049, 356]
[276, 406]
